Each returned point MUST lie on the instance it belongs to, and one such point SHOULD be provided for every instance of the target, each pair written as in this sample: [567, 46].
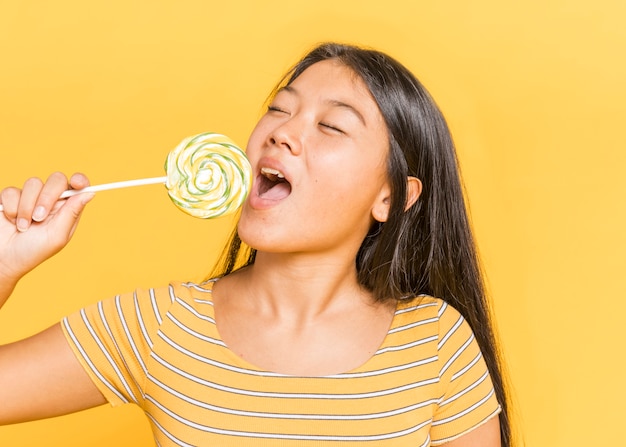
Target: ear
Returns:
[380, 211]
[413, 191]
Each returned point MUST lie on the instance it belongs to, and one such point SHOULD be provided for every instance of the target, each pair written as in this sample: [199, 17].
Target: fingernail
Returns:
[39, 213]
[22, 224]
[86, 197]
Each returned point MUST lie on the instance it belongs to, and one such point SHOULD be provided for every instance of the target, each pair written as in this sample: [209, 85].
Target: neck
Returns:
[307, 285]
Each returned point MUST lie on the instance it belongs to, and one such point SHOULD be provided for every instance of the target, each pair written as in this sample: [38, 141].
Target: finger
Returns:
[10, 198]
[49, 195]
[79, 181]
[28, 198]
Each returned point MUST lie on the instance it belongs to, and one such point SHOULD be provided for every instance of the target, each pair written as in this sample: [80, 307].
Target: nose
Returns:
[287, 136]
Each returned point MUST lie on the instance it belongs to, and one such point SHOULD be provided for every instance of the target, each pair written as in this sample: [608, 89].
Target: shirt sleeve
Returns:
[113, 340]
[467, 395]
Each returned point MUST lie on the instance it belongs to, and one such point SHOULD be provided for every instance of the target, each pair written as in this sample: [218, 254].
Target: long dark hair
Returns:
[429, 248]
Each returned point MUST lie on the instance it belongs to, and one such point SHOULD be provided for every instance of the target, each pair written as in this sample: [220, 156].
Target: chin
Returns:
[257, 237]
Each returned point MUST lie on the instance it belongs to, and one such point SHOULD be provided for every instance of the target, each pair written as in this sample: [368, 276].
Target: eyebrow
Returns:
[332, 102]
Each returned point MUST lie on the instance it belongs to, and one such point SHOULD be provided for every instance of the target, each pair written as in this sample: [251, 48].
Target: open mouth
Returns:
[272, 184]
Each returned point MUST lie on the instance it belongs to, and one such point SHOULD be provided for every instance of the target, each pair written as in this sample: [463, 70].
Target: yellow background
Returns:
[535, 94]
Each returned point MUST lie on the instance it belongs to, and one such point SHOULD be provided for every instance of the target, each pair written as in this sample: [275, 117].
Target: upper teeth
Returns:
[270, 171]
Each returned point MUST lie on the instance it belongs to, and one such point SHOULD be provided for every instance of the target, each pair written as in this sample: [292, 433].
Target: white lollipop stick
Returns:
[108, 186]
[207, 176]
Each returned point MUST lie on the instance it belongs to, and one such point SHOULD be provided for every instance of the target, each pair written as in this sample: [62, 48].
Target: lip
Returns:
[254, 199]
[272, 163]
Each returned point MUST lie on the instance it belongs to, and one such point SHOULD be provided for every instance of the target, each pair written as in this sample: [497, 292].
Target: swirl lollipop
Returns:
[207, 176]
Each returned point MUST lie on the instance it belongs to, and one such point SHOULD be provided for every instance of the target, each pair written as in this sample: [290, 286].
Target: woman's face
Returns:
[319, 156]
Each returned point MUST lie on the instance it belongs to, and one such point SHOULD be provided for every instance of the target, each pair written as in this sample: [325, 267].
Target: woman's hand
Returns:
[35, 224]
[40, 376]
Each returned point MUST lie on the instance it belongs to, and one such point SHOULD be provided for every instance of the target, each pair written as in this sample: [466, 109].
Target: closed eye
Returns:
[273, 108]
[331, 127]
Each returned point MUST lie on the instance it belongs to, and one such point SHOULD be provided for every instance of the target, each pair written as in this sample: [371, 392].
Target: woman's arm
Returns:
[40, 376]
[487, 435]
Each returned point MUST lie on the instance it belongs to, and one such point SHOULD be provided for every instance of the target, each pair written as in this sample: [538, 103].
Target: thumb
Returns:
[69, 214]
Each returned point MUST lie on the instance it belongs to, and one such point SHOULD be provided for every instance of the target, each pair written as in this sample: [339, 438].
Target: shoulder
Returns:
[191, 290]
[425, 309]
[148, 307]
[427, 317]
[430, 319]
[188, 301]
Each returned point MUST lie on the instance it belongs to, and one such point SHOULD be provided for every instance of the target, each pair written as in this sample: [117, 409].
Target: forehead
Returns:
[331, 81]
[331, 71]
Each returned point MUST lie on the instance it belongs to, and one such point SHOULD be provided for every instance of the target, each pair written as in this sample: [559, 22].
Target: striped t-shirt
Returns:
[160, 349]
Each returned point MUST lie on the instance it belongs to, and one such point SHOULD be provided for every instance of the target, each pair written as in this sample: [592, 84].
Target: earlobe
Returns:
[380, 212]
[413, 191]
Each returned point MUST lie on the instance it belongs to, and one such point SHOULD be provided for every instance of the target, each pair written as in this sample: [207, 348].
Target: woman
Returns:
[326, 331]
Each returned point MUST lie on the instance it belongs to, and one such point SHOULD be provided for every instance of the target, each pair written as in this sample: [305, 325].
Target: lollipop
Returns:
[207, 176]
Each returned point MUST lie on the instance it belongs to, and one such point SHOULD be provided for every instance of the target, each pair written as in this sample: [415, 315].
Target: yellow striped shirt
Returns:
[159, 348]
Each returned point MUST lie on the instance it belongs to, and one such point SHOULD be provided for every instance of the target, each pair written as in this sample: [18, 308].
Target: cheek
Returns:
[353, 178]
[255, 141]
[345, 195]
